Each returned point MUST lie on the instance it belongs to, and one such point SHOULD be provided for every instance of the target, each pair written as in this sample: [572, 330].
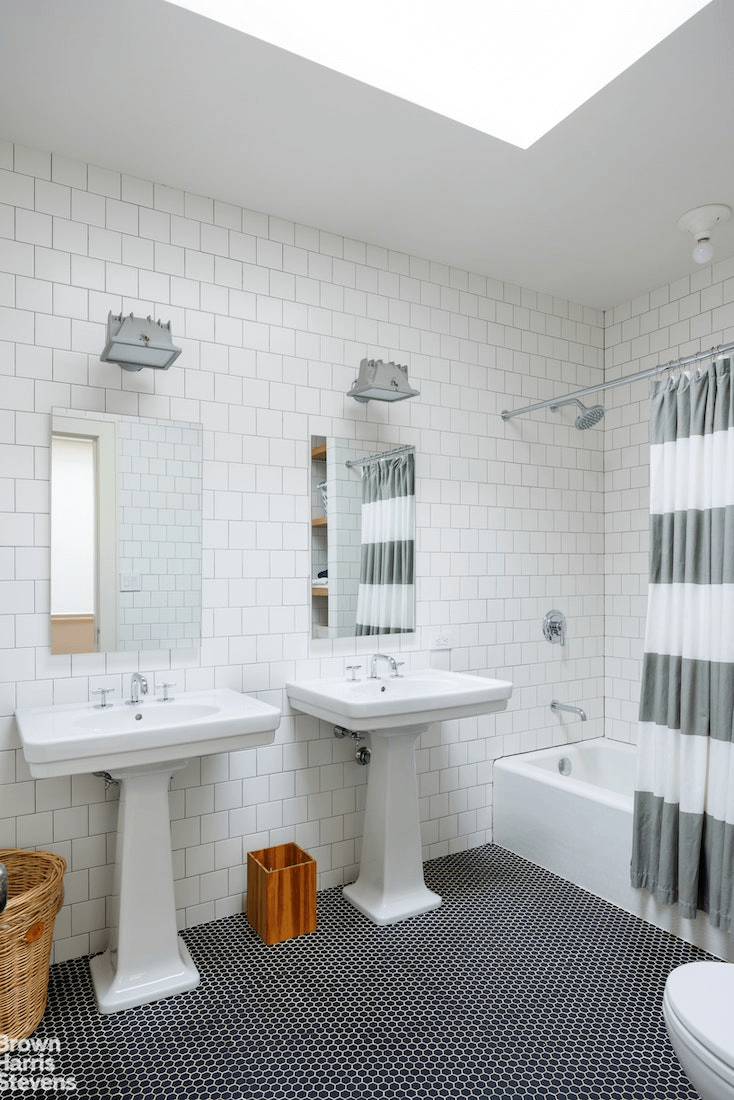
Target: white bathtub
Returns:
[579, 826]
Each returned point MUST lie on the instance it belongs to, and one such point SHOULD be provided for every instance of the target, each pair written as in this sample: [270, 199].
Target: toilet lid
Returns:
[702, 996]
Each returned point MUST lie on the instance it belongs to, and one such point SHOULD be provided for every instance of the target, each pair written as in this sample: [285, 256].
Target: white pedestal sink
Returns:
[395, 711]
[141, 746]
[390, 886]
[146, 959]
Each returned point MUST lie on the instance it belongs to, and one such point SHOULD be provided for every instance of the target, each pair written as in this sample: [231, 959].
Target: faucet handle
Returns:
[354, 669]
[399, 668]
[166, 685]
[104, 692]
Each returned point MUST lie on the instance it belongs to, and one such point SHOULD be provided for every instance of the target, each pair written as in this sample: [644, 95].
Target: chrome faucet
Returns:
[138, 687]
[382, 657]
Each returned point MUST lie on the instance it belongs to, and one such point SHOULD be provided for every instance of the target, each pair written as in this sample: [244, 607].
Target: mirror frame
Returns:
[104, 428]
[327, 544]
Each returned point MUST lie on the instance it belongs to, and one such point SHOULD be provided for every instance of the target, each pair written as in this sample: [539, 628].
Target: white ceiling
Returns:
[588, 213]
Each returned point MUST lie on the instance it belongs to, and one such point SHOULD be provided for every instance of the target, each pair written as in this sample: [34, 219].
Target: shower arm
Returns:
[555, 402]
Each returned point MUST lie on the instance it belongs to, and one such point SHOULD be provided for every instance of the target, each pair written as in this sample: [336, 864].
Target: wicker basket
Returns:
[35, 895]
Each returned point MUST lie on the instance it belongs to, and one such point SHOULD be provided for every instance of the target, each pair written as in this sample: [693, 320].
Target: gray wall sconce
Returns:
[378, 381]
[137, 342]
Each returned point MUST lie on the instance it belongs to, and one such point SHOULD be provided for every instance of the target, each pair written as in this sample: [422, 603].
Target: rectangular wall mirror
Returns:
[346, 556]
[126, 549]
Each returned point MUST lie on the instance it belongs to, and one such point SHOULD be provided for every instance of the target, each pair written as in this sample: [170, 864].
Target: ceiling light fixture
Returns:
[136, 342]
[513, 69]
[700, 222]
[378, 381]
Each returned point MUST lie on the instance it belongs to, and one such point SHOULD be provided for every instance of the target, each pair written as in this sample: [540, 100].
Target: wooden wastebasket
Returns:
[281, 892]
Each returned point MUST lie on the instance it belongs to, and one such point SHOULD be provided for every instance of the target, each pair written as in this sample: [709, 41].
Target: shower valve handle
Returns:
[554, 628]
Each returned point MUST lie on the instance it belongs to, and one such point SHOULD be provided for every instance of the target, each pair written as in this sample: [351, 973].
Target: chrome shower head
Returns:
[587, 418]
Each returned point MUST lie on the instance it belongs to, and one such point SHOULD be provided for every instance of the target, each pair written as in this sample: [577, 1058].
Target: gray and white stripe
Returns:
[683, 838]
[386, 598]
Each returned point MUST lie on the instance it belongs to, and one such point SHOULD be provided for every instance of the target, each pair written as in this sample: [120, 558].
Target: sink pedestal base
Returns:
[146, 959]
[390, 886]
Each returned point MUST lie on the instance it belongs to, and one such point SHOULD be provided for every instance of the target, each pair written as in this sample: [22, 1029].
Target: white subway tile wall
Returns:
[273, 318]
[159, 534]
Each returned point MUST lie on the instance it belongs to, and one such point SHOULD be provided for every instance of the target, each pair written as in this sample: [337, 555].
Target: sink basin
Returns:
[122, 719]
[395, 711]
[139, 746]
[74, 738]
[420, 697]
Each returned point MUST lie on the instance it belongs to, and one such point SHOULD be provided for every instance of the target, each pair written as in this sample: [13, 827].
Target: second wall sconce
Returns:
[137, 342]
[378, 381]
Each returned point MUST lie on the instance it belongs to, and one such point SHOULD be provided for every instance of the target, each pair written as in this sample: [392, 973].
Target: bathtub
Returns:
[569, 809]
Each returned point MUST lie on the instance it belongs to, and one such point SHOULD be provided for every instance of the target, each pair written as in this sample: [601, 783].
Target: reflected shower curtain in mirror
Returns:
[386, 601]
[683, 836]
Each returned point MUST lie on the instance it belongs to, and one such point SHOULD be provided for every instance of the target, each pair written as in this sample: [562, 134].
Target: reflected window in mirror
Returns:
[74, 536]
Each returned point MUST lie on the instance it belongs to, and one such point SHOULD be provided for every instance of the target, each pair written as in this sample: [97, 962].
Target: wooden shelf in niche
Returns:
[320, 521]
[319, 452]
[319, 591]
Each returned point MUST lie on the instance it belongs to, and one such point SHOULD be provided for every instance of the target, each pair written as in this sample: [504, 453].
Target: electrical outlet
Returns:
[441, 639]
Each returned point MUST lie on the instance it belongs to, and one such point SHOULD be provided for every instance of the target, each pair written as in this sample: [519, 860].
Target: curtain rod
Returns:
[383, 454]
[553, 402]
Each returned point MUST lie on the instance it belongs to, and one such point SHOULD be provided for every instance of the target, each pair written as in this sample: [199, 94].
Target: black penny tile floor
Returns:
[519, 985]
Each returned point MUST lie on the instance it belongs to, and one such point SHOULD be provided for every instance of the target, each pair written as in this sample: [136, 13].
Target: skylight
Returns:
[510, 68]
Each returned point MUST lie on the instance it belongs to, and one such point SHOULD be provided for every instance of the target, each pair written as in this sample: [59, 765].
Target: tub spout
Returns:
[555, 706]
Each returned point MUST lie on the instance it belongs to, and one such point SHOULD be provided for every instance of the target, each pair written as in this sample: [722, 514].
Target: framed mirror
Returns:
[126, 547]
[345, 554]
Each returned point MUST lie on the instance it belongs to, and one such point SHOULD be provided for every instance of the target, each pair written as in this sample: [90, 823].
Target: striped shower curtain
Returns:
[386, 597]
[683, 839]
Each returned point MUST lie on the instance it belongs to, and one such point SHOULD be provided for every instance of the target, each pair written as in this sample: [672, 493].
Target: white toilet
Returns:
[698, 1007]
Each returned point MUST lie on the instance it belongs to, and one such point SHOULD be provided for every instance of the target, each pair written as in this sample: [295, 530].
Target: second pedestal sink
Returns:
[396, 710]
[140, 746]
